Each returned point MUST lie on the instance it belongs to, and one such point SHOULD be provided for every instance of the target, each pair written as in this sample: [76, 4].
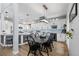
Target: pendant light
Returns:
[44, 20]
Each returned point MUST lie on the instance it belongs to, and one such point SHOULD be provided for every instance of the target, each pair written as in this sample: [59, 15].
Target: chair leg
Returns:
[52, 45]
[28, 53]
[40, 53]
[35, 53]
[50, 48]
[47, 51]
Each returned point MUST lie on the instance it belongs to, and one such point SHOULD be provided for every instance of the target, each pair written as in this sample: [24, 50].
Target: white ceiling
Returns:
[36, 10]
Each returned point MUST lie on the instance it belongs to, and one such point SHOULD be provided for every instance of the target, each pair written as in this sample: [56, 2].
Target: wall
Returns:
[74, 42]
[7, 26]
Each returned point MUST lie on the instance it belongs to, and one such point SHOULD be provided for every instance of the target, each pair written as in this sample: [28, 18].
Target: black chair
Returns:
[53, 36]
[48, 44]
[33, 46]
[51, 39]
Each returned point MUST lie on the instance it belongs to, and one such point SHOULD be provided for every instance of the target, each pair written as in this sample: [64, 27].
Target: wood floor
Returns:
[60, 49]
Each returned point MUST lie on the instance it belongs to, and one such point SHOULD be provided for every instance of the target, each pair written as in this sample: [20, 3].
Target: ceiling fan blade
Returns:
[44, 20]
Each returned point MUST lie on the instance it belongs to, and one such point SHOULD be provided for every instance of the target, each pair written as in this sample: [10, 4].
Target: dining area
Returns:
[36, 44]
[45, 43]
[40, 42]
[27, 32]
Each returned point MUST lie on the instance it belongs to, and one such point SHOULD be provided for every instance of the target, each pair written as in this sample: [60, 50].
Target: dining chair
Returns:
[51, 39]
[47, 44]
[33, 46]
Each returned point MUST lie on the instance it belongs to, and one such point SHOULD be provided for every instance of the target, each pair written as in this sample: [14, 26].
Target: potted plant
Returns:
[69, 35]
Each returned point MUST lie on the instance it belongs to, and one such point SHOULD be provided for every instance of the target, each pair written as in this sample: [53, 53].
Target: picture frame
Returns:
[73, 12]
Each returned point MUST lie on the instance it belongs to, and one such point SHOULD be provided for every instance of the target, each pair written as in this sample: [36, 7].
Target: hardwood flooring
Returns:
[60, 49]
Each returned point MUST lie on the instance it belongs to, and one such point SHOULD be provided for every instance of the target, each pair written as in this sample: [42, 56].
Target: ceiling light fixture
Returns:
[45, 7]
[44, 17]
[6, 14]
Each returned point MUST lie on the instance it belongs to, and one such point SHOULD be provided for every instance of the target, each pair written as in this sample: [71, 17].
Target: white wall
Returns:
[74, 42]
[7, 26]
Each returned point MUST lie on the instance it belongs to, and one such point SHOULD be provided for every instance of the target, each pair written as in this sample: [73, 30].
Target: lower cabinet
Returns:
[7, 40]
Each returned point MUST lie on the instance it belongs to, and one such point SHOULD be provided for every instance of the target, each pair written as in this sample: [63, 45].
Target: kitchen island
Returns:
[7, 39]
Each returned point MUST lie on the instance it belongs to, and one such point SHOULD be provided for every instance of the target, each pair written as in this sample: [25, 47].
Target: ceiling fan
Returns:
[43, 18]
[46, 19]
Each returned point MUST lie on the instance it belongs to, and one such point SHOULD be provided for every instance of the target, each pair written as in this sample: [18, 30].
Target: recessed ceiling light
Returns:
[27, 14]
[6, 12]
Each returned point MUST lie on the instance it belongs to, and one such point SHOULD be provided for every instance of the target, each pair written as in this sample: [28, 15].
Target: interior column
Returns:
[68, 23]
[67, 18]
[15, 29]
[67, 29]
[2, 21]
